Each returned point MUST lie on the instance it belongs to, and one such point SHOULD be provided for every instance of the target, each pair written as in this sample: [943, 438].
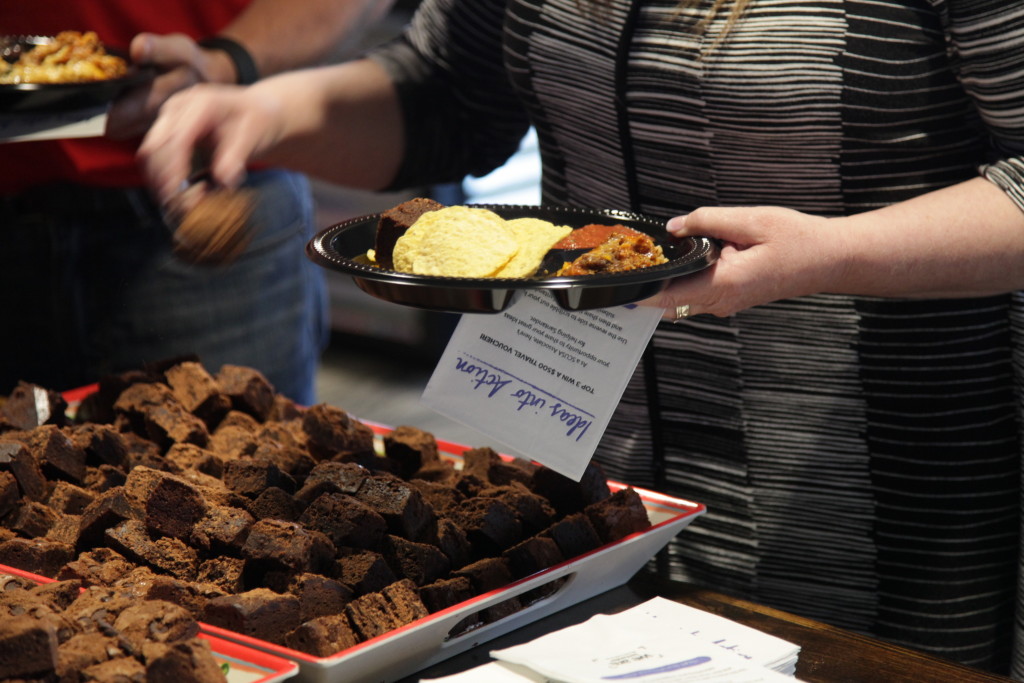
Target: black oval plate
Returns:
[63, 97]
[342, 248]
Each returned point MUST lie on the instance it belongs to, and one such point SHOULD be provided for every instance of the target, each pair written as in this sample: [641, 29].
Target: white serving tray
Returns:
[426, 641]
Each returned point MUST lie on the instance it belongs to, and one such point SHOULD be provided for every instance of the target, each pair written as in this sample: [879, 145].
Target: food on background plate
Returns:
[291, 524]
[70, 57]
[424, 237]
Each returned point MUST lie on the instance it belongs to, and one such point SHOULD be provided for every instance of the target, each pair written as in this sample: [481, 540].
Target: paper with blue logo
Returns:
[541, 380]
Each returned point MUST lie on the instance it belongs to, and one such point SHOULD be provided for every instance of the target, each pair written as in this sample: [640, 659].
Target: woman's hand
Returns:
[767, 254]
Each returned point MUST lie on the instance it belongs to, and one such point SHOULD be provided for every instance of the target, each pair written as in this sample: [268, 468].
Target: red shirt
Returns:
[97, 161]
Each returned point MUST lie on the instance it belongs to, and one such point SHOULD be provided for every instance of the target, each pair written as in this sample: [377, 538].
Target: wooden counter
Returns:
[827, 654]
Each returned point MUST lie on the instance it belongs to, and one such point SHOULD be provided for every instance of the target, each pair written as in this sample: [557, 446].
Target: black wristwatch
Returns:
[245, 67]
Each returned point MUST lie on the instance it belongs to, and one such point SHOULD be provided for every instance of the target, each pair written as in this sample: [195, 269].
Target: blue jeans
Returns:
[89, 286]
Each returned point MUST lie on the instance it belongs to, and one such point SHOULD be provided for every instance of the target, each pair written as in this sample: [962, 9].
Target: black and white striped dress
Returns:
[860, 458]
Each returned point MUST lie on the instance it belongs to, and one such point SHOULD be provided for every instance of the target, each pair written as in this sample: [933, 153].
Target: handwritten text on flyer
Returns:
[521, 395]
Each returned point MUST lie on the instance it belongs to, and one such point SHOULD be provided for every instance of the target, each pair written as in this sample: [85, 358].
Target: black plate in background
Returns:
[26, 98]
[342, 248]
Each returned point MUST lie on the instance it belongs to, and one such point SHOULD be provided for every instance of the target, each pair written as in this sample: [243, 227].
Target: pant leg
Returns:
[129, 300]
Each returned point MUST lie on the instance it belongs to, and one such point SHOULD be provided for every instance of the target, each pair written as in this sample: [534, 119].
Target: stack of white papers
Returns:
[659, 641]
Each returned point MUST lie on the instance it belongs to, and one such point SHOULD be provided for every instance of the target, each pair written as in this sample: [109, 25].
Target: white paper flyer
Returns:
[542, 381]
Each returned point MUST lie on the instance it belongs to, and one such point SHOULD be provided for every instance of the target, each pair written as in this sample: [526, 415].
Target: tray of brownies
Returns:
[354, 550]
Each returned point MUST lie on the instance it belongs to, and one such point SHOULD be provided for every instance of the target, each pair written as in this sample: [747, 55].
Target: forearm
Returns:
[962, 241]
[341, 123]
[282, 36]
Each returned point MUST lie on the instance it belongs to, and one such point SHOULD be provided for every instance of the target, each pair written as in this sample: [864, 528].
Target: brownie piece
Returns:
[319, 596]
[441, 497]
[30, 405]
[488, 574]
[16, 458]
[65, 530]
[404, 601]
[490, 525]
[452, 541]
[60, 594]
[10, 582]
[118, 670]
[568, 496]
[185, 660]
[532, 555]
[152, 411]
[28, 647]
[249, 477]
[36, 555]
[84, 650]
[9, 492]
[186, 456]
[155, 620]
[534, 512]
[244, 421]
[221, 529]
[444, 593]
[164, 554]
[103, 478]
[98, 606]
[331, 433]
[110, 508]
[259, 613]
[293, 460]
[248, 389]
[332, 477]
[102, 444]
[575, 535]
[408, 515]
[68, 499]
[198, 392]
[393, 223]
[171, 505]
[31, 519]
[619, 515]
[375, 614]
[227, 573]
[98, 567]
[231, 442]
[410, 448]
[365, 570]
[275, 503]
[420, 562]
[58, 456]
[488, 466]
[371, 615]
[323, 636]
[143, 584]
[345, 520]
[287, 545]
[142, 450]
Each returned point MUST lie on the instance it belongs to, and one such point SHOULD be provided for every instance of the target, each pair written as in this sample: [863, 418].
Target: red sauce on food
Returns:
[589, 236]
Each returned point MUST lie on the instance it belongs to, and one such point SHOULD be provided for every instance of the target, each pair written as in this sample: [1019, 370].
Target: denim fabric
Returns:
[89, 285]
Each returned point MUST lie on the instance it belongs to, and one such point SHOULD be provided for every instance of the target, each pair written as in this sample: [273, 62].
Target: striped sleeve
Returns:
[987, 39]
[461, 115]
